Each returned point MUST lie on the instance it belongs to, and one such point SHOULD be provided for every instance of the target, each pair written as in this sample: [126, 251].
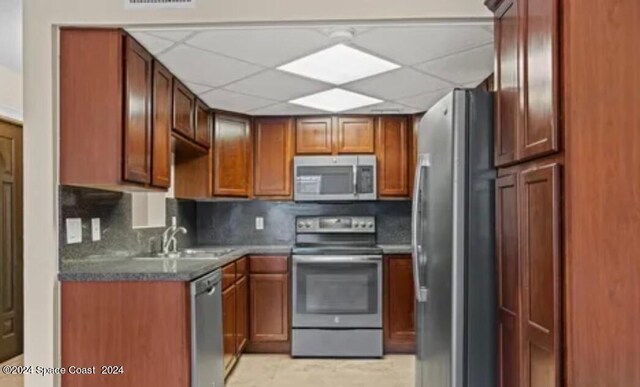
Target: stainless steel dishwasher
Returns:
[207, 367]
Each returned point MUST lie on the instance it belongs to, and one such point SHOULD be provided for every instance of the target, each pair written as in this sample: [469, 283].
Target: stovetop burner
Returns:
[336, 235]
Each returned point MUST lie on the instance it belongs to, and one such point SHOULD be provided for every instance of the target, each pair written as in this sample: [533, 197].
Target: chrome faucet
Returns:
[169, 241]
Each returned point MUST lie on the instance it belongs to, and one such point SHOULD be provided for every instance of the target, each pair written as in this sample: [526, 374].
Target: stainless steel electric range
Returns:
[337, 288]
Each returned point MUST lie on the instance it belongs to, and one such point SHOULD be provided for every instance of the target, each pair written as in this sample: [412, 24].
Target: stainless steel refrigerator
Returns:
[453, 243]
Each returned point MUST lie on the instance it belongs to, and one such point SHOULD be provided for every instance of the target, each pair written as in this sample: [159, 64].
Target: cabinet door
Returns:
[392, 149]
[399, 314]
[540, 129]
[273, 157]
[184, 104]
[203, 124]
[229, 316]
[507, 101]
[314, 135]
[242, 314]
[231, 156]
[161, 150]
[355, 135]
[269, 307]
[540, 273]
[137, 119]
[508, 268]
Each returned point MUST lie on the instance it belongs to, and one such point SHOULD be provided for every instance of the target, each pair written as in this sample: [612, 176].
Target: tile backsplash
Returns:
[233, 222]
[117, 234]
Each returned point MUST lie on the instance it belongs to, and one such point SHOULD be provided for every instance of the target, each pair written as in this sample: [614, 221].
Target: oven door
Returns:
[337, 291]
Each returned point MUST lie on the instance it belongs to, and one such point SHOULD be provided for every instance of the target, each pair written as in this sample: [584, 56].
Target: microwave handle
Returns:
[355, 180]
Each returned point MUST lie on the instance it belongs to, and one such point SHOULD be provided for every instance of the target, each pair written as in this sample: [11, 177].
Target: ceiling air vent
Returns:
[156, 4]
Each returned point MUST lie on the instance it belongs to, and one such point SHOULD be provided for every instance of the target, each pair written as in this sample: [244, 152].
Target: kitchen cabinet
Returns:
[229, 315]
[355, 135]
[203, 124]
[106, 111]
[273, 157]
[242, 314]
[137, 112]
[162, 105]
[184, 103]
[529, 274]
[392, 151]
[335, 135]
[232, 156]
[314, 136]
[142, 326]
[526, 36]
[508, 265]
[269, 307]
[399, 305]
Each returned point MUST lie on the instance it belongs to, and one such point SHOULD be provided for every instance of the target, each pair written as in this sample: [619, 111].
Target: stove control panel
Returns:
[336, 224]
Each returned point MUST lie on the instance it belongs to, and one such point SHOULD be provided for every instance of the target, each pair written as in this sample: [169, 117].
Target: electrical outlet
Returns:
[95, 229]
[259, 223]
[74, 230]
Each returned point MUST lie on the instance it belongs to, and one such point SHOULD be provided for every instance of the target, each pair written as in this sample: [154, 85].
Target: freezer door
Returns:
[438, 330]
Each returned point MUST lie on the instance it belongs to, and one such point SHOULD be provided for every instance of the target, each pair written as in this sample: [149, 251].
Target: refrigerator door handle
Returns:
[420, 289]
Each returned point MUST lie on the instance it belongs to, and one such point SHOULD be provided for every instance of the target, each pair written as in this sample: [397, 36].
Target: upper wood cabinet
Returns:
[314, 135]
[540, 81]
[106, 111]
[526, 79]
[161, 149]
[355, 135]
[273, 157]
[137, 112]
[507, 100]
[392, 150]
[203, 124]
[399, 305]
[232, 156]
[184, 103]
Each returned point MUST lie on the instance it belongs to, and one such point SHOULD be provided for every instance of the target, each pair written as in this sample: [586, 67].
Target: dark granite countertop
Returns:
[118, 268]
[121, 268]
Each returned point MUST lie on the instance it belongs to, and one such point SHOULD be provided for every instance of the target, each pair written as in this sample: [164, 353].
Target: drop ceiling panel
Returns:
[424, 101]
[236, 102]
[195, 65]
[384, 108]
[283, 109]
[417, 44]
[173, 35]
[198, 88]
[152, 43]
[267, 47]
[397, 84]
[277, 85]
[464, 67]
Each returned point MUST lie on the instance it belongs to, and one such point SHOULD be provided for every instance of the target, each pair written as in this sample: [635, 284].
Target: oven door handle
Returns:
[336, 259]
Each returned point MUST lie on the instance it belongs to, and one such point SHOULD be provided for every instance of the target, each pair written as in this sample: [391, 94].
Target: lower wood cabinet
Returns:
[269, 306]
[399, 305]
[528, 219]
[234, 312]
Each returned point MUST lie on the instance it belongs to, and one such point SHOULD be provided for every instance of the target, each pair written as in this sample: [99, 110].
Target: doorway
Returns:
[11, 254]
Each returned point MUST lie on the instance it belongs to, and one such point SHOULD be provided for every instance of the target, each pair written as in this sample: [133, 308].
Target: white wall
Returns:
[41, 301]
[10, 93]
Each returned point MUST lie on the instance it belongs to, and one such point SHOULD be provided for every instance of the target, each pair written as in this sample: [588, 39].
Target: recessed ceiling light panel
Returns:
[338, 65]
[335, 100]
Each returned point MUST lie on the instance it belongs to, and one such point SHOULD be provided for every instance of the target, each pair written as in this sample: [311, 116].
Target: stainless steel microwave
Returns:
[335, 178]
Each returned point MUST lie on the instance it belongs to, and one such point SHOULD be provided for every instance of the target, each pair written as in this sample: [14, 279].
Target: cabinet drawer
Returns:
[241, 267]
[269, 264]
[228, 275]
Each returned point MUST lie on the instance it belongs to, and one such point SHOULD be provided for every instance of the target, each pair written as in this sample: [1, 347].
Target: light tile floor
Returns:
[283, 371]
[11, 380]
